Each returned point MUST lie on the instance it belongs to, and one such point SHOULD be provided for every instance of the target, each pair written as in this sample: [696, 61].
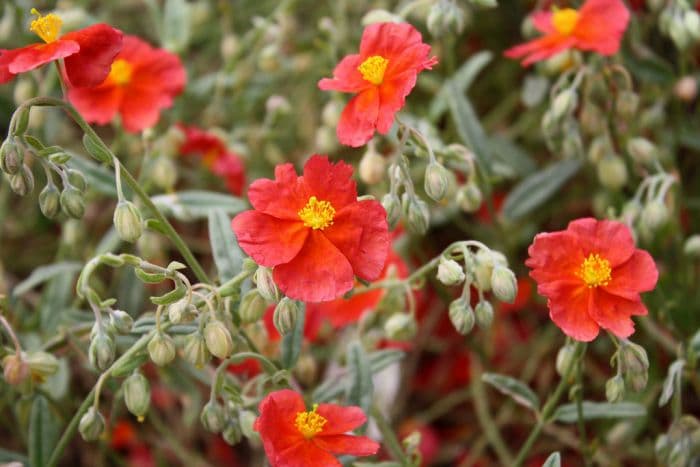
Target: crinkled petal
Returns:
[340, 419]
[96, 105]
[541, 48]
[268, 240]
[638, 274]
[347, 444]
[276, 423]
[282, 197]
[359, 118]
[601, 25]
[542, 20]
[318, 273]
[33, 56]
[570, 311]
[613, 313]
[554, 256]
[346, 76]
[305, 454]
[388, 39]
[392, 98]
[612, 240]
[330, 182]
[99, 45]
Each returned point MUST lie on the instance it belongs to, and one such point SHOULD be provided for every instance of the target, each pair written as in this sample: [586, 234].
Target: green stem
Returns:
[585, 448]
[390, 441]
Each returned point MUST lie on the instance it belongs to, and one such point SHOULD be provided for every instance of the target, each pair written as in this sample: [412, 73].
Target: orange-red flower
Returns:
[88, 53]
[382, 75]
[313, 231]
[592, 275]
[142, 82]
[598, 27]
[295, 437]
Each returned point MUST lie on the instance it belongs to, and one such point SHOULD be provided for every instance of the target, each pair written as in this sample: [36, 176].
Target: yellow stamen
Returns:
[373, 68]
[564, 20]
[310, 423]
[47, 27]
[121, 71]
[317, 214]
[595, 271]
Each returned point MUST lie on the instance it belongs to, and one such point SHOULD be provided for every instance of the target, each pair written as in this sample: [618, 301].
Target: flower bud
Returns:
[392, 206]
[127, 221]
[163, 173]
[181, 311]
[195, 350]
[212, 417]
[692, 246]
[469, 197]
[400, 326]
[627, 103]
[564, 103]
[49, 200]
[161, 349]
[417, 214]
[102, 351]
[504, 284]
[691, 21]
[229, 46]
[450, 272]
[372, 166]
[247, 420]
[642, 150]
[218, 339]
[484, 314]
[137, 395]
[252, 307]
[11, 158]
[232, 433]
[121, 321]
[91, 425]
[436, 181]
[612, 172]
[41, 365]
[483, 267]
[306, 369]
[592, 119]
[654, 215]
[285, 316]
[15, 369]
[268, 58]
[565, 358]
[23, 181]
[462, 316]
[72, 202]
[635, 365]
[615, 389]
[266, 284]
[686, 89]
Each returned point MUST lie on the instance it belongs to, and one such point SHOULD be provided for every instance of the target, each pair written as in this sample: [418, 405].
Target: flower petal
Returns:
[542, 20]
[554, 256]
[305, 454]
[388, 39]
[340, 419]
[268, 240]
[318, 273]
[359, 118]
[346, 76]
[282, 197]
[99, 45]
[330, 182]
[541, 48]
[33, 56]
[96, 105]
[612, 240]
[276, 423]
[601, 25]
[570, 311]
[347, 444]
[639, 274]
[613, 313]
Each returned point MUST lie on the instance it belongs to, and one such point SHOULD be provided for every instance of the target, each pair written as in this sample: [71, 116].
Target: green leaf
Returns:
[176, 25]
[291, 343]
[228, 256]
[99, 178]
[43, 432]
[538, 188]
[192, 205]
[554, 460]
[45, 273]
[509, 159]
[567, 413]
[11, 456]
[514, 388]
[463, 78]
[672, 381]
[360, 388]
[171, 297]
[469, 128]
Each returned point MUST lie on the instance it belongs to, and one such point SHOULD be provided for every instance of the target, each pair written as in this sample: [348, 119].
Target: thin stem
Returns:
[11, 333]
[585, 448]
[390, 441]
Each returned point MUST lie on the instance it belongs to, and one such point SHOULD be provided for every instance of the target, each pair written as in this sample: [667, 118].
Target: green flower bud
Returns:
[691, 247]
[450, 272]
[11, 158]
[436, 181]
[504, 284]
[181, 311]
[163, 173]
[655, 215]
[49, 200]
[41, 365]
[612, 172]
[212, 417]
[102, 351]
[372, 166]
[615, 389]
[564, 103]
[195, 350]
[469, 198]
[484, 314]
[218, 339]
[417, 214]
[15, 369]
[691, 21]
[72, 202]
[642, 150]
[266, 284]
[627, 104]
[232, 433]
[268, 58]
[631, 210]
[462, 316]
[91, 425]
[592, 120]
[392, 206]
[565, 358]
[252, 307]
[483, 268]
[285, 316]
[635, 365]
[400, 326]
[247, 420]
[128, 221]
[77, 179]
[122, 321]
[137, 395]
[598, 149]
[161, 349]
[23, 181]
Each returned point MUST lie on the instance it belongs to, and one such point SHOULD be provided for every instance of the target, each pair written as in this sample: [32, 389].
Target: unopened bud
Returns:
[163, 172]
[503, 284]
[686, 89]
[450, 272]
[691, 21]
[252, 307]
[247, 419]
[285, 316]
[642, 150]
[91, 425]
[306, 369]
[182, 311]
[218, 339]
[469, 197]
[436, 181]
[417, 214]
[268, 58]
[41, 365]
[232, 433]
[72, 202]
[565, 359]
[49, 201]
[137, 395]
[121, 321]
[212, 417]
[400, 326]
[462, 316]
[592, 120]
[564, 103]
[627, 103]
[22, 182]
[229, 46]
[654, 215]
[15, 369]
[692, 246]
[161, 349]
[372, 166]
[484, 314]
[11, 158]
[392, 206]
[615, 389]
[612, 172]
[102, 351]
[195, 350]
[635, 365]
[128, 221]
[266, 284]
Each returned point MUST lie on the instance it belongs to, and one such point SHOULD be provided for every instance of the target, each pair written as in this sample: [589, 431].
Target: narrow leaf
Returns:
[42, 432]
[228, 256]
[469, 128]
[176, 25]
[463, 78]
[554, 460]
[291, 343]
[192, 205]
[672, 381]
[45, 273]
[360, 387]
[567, 413]
[518, 390]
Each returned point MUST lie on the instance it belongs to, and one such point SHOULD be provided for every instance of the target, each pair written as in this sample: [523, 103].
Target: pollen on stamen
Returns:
[317, 214]
[595, 271]
[373, 69]
[47, 27]
[310, 423]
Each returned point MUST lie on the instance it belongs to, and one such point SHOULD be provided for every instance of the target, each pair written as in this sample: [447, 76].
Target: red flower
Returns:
[295, 437]
[88, 53]
[142, 82]
[313, 231]
[598, 26]
[592, 275]
[382, 75]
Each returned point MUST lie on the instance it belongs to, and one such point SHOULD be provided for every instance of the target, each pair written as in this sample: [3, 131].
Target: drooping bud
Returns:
[469, 197]
[654, 215]
[462, 316]
[122, 321]
[564, 103]
[229, 46]
[72, 202]
[285, 316]
[504, 284]
[91, 425]
[252, 307]
[181, 311]
[626, 104]
[11, 158]
[612, 172]
[306, 369]
[417, 214]
[635, 365]
[23, 181]
[247, 420]
[615, 389]
[195, 350]
[137, 395]
[161, 349]
[437, 181]
[128, 221]
[400, 326]
[450, 272]
[392, 206]
[49, 200]
[266, 284]
[372, 166]
[212, 417]
[163, 172]
[41, 365]
[15, 369]
[218, 339]
[102, 351]
[642, 150]
[232, 433]
[484, 314]
[692, 246]
[565, 358]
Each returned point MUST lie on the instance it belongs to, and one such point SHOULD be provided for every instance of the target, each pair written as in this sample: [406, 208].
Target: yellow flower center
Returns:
[121, 71]
[310, 423]
[595, 271]
[373, 68]
[564, 20]
[317, 214]
[47, 27]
